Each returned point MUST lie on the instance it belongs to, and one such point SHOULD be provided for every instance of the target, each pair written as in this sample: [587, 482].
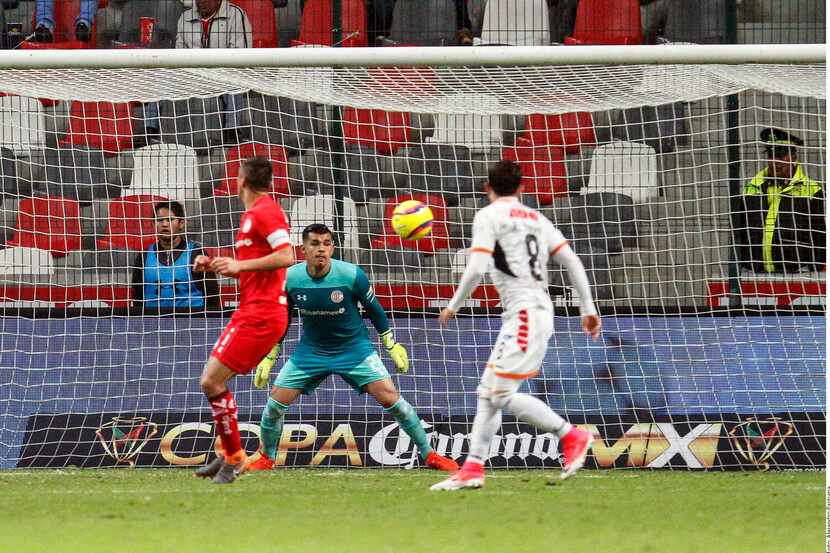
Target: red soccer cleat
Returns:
[471, 475]
[438, 462]
[575, 446]
[263, 463]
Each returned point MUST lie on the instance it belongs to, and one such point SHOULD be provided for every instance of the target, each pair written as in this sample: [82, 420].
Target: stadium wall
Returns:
[658, 391]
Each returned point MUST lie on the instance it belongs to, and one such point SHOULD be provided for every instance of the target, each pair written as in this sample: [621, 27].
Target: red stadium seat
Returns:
[607, 22]
[385, 131]
[279, 163]
[544, 174]
[439, 238]
[49, 223]
[103, 126]
[131, 223]
[571, 131]
[316, 24]
[66, 11]
[263, 21]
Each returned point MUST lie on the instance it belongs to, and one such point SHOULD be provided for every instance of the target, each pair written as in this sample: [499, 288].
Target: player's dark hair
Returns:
[172, 206]
[258, 173]
[504, 177]
[316, 228]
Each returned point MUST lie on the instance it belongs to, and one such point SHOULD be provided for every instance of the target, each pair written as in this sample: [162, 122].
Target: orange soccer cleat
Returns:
[439, 462]
[263, 463]
[575, 446]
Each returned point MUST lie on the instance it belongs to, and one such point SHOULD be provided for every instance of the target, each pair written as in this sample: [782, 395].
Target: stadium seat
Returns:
[663, 127]
[606, 219]
[165, 12]
[52, 224]
[220, 222]
[571, 131]
[320, 209]
[424, 23]
[66, 11]
[316, 24]
[22, 124]
[363, 173]
[544, 173]
[237, 154]
[385, 131]
[625, 168]
[130, 223]
[195, 122]
[437, 168]
[438, 239]
[166, 170]
[516, 22]
[607, 22]
[103, 126]
[477, 131]
[283, 121]
[263, 21]
[26, 261]
[697, 22]
[10, 185]
[78, 174]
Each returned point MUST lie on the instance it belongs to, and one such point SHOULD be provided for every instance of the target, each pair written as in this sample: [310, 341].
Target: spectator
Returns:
[781, 228]
[45, 20]
[163, 275]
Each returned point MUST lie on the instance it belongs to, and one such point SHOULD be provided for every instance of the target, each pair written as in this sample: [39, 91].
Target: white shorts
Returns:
[521, 345]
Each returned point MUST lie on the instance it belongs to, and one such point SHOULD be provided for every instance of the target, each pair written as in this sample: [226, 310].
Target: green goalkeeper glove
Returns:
[396, 351]
[263, 370]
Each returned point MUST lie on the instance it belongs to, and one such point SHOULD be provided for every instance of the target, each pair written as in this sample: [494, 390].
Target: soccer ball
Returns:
[412, 220]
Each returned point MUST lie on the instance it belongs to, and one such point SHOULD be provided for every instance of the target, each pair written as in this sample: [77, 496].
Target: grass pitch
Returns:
[309, 511]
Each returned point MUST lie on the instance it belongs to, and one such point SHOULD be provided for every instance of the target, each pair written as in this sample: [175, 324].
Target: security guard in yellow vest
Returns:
[784, 208]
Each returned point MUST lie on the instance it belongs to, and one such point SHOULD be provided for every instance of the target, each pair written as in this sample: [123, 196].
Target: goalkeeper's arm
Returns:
[380, 321]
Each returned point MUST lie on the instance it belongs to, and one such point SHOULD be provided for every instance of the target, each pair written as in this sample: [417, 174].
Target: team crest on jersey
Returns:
[246, 226]
[336, 296]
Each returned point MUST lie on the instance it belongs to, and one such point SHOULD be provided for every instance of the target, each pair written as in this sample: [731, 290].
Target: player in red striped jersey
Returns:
[263, 252]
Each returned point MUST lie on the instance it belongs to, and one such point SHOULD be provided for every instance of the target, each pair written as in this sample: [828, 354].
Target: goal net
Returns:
[702, 235]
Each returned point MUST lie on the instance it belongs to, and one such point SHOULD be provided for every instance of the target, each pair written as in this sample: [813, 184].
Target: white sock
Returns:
[536, 413]
[485, 426]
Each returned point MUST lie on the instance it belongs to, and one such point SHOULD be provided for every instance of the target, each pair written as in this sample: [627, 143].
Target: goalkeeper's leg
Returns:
[387, 395]
[270, 426]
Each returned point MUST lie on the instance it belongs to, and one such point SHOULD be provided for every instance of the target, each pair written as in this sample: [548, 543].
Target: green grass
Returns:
[309, 511]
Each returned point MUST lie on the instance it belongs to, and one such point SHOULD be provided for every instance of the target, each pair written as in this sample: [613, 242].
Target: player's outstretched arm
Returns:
[565, 256]
[477, 266]
[380, 321]
[229, 267]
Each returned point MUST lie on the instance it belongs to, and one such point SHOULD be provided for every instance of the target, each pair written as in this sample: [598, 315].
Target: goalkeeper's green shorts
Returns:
[307, 379]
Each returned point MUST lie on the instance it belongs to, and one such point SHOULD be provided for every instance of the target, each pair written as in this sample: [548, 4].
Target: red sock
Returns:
[224, 414]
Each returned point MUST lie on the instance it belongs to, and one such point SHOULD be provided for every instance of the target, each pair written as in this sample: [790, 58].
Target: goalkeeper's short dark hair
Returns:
[504, 177]
[258, 173]
[316, 228]
[172, 206]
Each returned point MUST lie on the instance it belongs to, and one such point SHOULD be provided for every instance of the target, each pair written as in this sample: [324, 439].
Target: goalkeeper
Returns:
[335, 341]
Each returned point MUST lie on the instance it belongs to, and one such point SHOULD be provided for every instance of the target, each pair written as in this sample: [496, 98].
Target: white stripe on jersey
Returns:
[278, 238]
[522, 240]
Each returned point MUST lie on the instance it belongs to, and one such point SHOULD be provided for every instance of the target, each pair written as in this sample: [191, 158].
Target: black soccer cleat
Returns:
[229, 472]
[210, 470]
[43, 34]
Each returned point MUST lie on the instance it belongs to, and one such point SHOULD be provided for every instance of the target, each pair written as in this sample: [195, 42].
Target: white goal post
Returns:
[714, 348]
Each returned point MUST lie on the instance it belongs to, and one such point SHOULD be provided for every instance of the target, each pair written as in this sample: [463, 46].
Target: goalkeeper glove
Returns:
[396, 351]
[263, 370]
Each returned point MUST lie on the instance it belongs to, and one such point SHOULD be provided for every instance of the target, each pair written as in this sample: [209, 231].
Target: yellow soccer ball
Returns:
[412, 220]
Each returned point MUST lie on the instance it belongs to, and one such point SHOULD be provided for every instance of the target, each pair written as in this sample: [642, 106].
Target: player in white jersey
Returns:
[519, 240]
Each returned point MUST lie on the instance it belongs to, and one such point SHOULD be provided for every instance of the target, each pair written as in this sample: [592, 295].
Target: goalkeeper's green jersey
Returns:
[334, 334]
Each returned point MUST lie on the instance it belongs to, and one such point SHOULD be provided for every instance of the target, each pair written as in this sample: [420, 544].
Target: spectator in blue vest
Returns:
[45, 20]
[163, 276]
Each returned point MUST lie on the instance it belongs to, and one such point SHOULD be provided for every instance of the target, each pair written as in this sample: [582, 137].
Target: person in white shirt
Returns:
[519, 241]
